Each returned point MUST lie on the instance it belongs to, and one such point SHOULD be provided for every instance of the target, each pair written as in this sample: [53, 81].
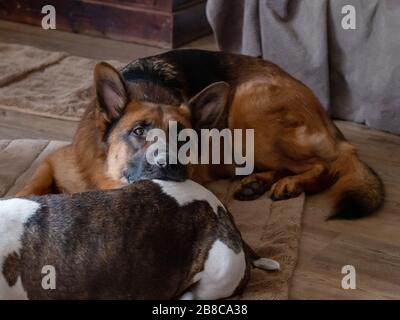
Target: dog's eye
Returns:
[138, 131]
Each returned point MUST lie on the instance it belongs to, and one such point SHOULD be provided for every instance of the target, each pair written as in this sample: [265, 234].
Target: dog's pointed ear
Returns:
[209, 105]
[110, 91]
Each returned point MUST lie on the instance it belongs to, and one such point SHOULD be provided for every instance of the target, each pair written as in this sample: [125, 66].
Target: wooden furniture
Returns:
[162, 23]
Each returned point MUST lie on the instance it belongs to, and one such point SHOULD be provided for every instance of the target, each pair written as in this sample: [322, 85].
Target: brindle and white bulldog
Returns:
[152, 239]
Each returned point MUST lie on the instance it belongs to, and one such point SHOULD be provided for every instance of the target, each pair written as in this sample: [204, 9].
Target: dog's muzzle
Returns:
[162, 168]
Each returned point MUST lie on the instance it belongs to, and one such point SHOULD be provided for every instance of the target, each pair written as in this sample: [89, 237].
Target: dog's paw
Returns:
[250, 188]
[188, 296]
[266, 264]
[286, 188]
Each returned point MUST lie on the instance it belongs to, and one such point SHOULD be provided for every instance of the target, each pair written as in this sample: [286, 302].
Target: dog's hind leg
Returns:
[223, 273]
[313, 179]
[259, 262]
[188, 296]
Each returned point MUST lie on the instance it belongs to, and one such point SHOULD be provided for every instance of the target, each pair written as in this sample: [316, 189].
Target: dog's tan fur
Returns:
[297, 147]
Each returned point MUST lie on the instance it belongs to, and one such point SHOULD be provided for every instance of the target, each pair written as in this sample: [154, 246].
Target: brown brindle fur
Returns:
[297, 147]
[135, 242]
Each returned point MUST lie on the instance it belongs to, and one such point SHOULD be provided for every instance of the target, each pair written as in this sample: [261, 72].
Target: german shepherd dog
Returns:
[297, 147]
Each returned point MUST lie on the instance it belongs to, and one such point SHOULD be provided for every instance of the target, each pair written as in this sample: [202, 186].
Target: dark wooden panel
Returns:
[163, 5]
[150, 22]
[184, 30]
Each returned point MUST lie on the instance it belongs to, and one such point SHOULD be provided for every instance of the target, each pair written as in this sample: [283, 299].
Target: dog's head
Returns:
[127, 120]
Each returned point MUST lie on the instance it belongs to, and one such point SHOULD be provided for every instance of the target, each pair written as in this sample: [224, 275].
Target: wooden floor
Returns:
[371, 245]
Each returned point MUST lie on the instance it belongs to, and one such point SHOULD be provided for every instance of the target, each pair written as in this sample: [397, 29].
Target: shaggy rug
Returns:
[46, 83]
[58, 85]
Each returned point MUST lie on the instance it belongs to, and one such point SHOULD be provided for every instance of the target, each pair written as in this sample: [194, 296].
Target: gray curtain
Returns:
[355, 73]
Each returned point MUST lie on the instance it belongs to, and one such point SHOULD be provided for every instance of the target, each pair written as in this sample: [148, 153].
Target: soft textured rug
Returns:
[47, 83]
[271, 228]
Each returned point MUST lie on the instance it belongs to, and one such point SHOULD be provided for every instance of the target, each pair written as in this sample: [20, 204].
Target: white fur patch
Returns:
[13, 215]
[222, 273]
[188, 191]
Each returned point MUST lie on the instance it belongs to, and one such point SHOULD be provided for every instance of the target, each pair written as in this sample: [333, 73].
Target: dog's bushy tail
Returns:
[258, 262]
[358, 191]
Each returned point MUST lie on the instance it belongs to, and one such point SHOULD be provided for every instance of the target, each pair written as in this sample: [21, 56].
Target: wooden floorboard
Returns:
[85, 46]
[371, 245]
[15, 125]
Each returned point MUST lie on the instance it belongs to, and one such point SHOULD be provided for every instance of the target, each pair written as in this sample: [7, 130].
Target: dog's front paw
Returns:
[250, 188]
[286, 188]
[267, 264]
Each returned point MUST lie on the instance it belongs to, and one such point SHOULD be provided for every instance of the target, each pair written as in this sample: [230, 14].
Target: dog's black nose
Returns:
[176, 172]
[161, 162]
[129, 176]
